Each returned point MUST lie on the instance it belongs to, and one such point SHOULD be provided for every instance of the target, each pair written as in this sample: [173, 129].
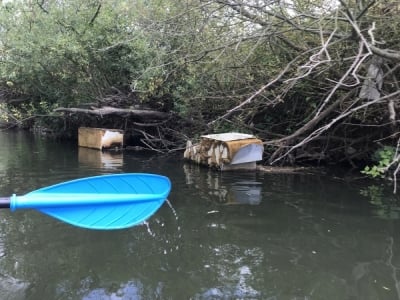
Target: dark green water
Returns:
[223, 236]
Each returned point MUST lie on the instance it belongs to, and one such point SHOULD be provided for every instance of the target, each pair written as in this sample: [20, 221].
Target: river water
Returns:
[220, 236]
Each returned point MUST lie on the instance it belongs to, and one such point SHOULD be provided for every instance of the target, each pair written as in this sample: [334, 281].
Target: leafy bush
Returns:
[383, 157]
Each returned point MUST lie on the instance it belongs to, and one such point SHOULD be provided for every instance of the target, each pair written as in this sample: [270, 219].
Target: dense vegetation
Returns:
[316, 80]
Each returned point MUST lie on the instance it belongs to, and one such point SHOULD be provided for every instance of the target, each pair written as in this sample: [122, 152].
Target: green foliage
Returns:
[264, 66]
[70, 52]
[383, 157]
[385, 204]
[195, 57]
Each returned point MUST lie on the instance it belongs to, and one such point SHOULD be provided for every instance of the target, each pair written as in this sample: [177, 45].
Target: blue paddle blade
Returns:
[102, 202]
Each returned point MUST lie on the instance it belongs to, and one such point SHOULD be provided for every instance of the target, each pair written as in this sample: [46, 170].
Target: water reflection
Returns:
[51, 260]
[100, 159]
[225, 187]
[129, 290]
[236, 278]
[384, 205]
[297, 237]
[12, 288]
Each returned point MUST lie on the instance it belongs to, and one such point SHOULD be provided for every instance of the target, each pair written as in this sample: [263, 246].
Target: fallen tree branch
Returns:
[386, 53]
[314, 121]
[106, 110]
[333, 121]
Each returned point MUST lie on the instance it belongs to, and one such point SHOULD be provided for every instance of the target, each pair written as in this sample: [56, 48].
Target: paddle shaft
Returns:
[70, 200]
[5, 202]
[46, 200]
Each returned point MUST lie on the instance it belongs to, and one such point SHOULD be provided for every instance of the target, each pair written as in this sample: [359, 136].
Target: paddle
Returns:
[102, 202]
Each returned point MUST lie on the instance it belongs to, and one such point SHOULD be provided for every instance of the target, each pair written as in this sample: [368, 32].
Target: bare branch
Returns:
[95, 15]
[258, 92]
[341, 116]
[386, 53]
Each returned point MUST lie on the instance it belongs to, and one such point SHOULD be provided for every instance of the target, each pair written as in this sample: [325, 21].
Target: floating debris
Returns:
[226, 151]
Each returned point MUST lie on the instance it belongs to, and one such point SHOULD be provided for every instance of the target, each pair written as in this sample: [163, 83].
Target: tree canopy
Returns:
[316, 80]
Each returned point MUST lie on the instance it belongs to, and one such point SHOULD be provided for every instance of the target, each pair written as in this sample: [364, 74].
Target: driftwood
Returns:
[107, 110]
